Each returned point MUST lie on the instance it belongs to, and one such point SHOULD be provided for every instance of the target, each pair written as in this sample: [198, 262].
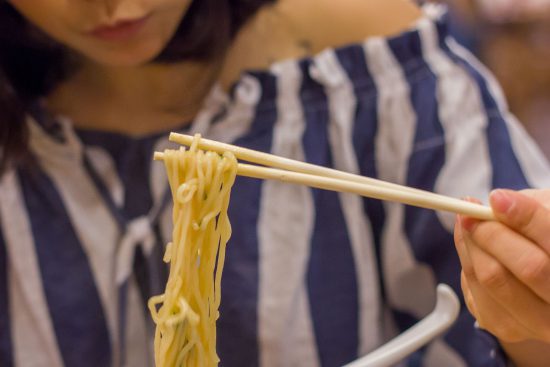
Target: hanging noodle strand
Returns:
[186, 313]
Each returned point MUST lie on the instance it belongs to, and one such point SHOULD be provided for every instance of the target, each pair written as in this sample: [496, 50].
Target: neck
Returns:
[134, 100]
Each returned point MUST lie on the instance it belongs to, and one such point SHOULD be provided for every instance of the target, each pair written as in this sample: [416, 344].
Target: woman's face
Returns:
[110, 32]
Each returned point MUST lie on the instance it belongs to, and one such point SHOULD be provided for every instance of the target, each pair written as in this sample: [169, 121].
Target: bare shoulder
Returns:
[292, 29]
[329, 23]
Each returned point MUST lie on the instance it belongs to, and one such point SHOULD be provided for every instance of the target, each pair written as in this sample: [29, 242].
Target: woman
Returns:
[91, 89]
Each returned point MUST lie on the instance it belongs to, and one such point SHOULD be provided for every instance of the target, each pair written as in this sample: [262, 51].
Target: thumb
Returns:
[523, 214]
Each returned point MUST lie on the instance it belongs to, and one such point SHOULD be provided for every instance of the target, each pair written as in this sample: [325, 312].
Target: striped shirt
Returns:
[312, 278]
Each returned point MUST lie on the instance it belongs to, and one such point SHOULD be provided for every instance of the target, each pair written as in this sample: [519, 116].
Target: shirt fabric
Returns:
[312, 277]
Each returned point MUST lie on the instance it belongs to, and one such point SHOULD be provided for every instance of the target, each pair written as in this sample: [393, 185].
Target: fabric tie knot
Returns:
[139, 232]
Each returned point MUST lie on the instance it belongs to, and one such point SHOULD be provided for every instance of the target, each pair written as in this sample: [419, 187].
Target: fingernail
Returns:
[501, 200]
[469, 224]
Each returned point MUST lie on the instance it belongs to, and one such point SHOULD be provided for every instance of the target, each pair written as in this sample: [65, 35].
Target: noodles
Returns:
[186, 319]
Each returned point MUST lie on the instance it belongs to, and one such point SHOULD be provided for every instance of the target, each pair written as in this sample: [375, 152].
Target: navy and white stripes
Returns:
[312, 278]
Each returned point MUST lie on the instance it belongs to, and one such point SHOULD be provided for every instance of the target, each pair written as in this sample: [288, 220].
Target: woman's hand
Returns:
[506, 267]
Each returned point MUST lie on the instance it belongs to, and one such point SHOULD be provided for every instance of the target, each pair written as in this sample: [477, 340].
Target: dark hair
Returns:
[31, 64]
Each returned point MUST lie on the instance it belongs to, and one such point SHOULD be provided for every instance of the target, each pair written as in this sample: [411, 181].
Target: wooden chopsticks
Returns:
[292, 171]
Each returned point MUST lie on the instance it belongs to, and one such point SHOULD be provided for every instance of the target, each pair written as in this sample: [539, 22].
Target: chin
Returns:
[126, 56]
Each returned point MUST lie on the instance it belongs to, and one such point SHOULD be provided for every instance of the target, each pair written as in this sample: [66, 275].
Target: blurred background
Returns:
[512, 37]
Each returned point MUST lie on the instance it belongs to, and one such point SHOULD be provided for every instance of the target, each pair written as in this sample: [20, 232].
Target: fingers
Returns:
[503, 304]
[506, 265]
[468, 297]
[465, 261]
[490, 315]
[542, 196]
[525, 307]
[524, 214]
[461, 224]
[522, 257]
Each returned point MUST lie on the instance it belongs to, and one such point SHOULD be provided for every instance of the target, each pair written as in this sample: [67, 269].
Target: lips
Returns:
[121, 30]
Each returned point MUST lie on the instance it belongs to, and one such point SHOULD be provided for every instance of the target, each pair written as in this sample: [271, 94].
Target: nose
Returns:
[110, 6]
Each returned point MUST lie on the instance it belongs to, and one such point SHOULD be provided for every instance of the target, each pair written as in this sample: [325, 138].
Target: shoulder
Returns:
[292, 29]
[329, 23]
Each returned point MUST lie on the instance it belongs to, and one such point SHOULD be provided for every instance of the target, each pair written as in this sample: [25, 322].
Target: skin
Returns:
[117, 88]
[506, 273]
[70, 23]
